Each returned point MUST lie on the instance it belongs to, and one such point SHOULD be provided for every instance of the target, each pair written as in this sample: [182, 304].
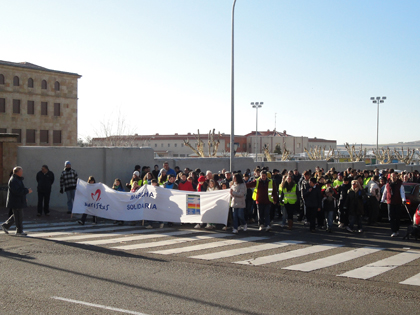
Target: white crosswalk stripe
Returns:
[208, 245]
[287, 255]
[137, 237]
[177, 241]
[381, 266]
[88, 229]
[415, 280]
[333, 260]
[246, 250]
[103, 235]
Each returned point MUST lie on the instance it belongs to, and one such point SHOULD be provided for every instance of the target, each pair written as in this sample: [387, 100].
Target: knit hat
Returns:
[66, 162]
[136, 173]
[201, 179]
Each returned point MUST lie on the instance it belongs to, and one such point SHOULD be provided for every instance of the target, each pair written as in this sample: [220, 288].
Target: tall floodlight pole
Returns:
[256, 105]
[377, 100]
[232, 97]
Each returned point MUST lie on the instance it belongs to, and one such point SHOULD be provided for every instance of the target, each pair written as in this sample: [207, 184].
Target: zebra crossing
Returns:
[215, 246]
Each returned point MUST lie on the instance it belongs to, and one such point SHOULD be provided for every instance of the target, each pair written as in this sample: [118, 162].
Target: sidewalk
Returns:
[30, 214]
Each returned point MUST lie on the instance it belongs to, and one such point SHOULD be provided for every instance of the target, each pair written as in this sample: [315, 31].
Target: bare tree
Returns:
[115, 132]
[355, 155]
[213, 144]
[407, 159]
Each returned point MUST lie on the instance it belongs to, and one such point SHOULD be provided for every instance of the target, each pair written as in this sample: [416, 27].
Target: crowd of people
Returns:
[323, 200]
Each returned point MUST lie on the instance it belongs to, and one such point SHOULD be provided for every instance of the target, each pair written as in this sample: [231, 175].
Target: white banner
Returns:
[152, 203]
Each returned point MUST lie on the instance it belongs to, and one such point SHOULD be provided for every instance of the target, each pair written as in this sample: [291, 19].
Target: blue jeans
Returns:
[329, 216]
[264, 214]
[284, 215]
[238, 213]
[70, 198]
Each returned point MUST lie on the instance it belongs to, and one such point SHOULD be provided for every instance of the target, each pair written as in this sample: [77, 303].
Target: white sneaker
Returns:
[197, 226]
[235, 231]
[209, 227]
[360, 231]
[161, 226]
[224, 228]
[261, 227]
[268, 228]
[149, 226]
[245, 227]
[282, 225]
[395, 234]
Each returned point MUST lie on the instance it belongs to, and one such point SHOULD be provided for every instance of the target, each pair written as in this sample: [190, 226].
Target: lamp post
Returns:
[377, 100]
[232, 97]
[256, 105]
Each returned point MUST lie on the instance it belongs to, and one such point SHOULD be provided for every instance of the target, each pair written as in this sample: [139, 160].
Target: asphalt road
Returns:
[44, 276]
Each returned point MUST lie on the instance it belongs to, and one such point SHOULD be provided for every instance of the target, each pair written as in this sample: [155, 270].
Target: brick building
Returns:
[37, 104]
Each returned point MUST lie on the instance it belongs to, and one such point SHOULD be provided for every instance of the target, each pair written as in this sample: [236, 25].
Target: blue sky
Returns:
[164, 66]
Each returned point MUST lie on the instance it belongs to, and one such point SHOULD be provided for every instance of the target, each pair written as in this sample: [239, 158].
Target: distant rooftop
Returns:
[32, 66]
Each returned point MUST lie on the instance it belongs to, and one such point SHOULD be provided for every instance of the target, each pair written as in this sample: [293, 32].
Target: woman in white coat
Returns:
[238, 192]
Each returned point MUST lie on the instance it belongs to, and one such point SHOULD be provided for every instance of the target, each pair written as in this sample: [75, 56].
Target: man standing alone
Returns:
[68, 182]
[45, 179]
[16, 200]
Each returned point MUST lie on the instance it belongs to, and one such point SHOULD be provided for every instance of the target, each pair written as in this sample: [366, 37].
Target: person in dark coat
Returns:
[312, 197]
[16, 200]
[356, 198]
[342, 192]
[45, 179]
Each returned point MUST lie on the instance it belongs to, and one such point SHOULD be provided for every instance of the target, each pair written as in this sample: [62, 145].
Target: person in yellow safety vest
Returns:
[265, 194]
[366, 178]
[135, 178]
[288, 190]
[339, 181]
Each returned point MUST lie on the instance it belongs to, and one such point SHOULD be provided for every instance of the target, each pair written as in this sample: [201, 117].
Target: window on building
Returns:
[16, 81]
[182, 145]
[43, 136]
[155, 145]
[176, 144]
[31, 107]
[30, 83]
[161, 145]
[56, 109]
[16, 106]
[1, 79]
[57, 86]
[2, 105]
[30, 135]
[169, 145]
[44, 108]
[298, 145]
[182, 155]
[175, 155]
[19, 132]
[44, 85]
[3, 130]
[56, 136]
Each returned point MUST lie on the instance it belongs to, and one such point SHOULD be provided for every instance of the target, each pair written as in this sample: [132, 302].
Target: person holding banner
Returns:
[238, 192]
[265, 193]
[91, 180]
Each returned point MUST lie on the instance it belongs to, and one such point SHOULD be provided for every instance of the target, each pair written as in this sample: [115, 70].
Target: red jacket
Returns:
[187, 186]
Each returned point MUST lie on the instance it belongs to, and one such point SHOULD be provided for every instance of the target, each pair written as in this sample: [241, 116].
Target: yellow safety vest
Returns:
[289, 196]
[270, 191]
[139, 182]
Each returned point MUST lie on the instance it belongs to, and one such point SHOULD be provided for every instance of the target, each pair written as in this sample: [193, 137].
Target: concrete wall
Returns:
[108, 163]
[105, 164]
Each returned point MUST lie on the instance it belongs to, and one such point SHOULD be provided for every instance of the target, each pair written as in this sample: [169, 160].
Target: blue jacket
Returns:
[16, 194]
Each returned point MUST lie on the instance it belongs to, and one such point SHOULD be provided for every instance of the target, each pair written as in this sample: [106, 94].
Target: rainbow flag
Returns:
[193, 204]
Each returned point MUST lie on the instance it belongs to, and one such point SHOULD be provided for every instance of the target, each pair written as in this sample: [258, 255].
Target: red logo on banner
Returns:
[96, 195]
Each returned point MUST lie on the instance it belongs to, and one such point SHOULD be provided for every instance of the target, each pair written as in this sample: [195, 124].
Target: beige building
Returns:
[37, 104]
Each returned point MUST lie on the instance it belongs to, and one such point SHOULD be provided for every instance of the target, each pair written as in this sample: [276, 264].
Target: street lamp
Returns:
[256, 105]
[377, 100]
[232, 95]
